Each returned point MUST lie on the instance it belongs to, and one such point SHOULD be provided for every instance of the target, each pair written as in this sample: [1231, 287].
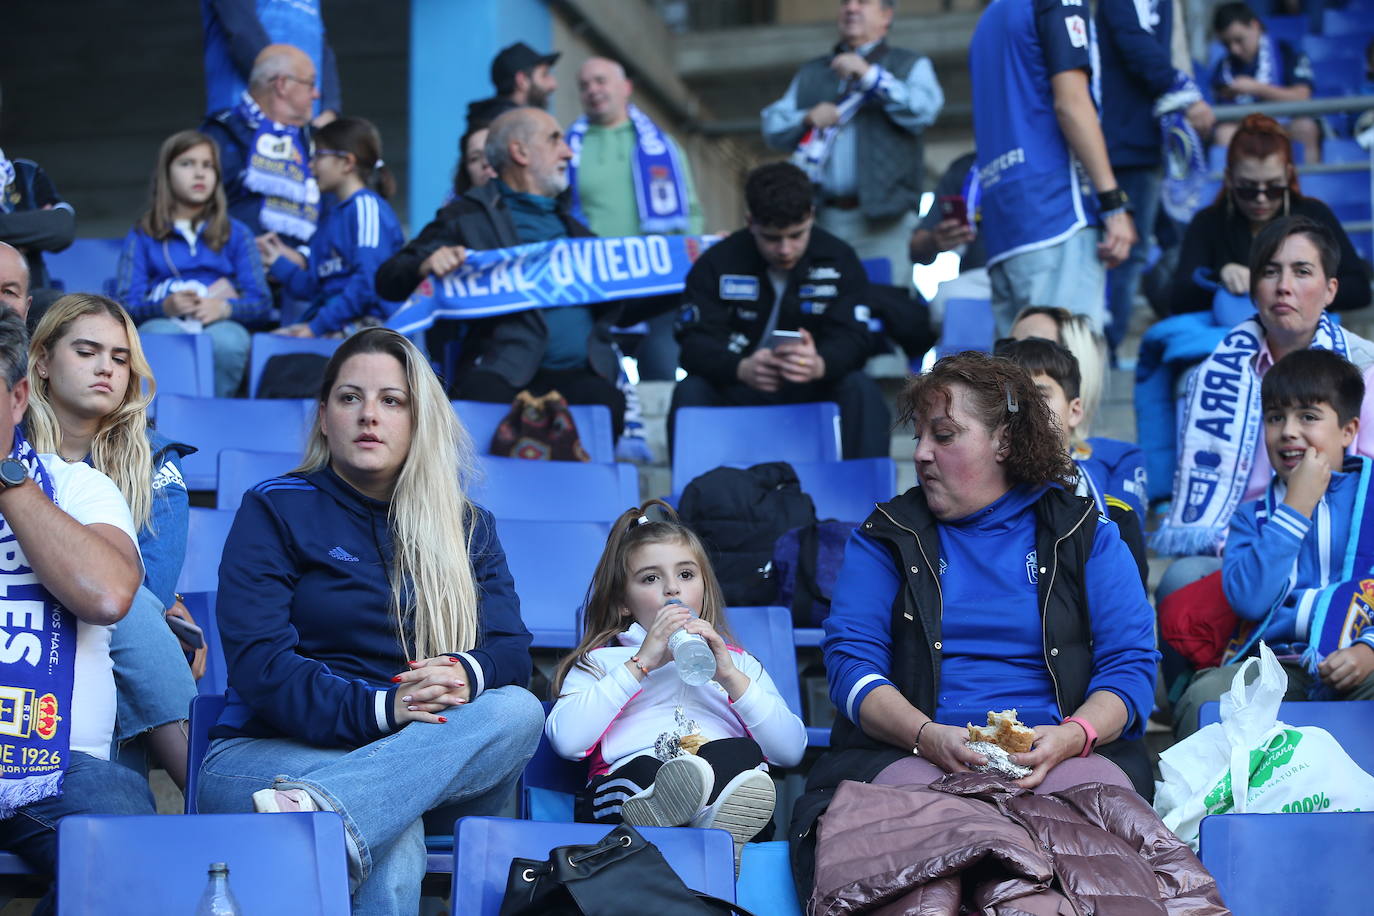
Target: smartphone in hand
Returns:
[953, 206]
[185, 631]
[781, 337]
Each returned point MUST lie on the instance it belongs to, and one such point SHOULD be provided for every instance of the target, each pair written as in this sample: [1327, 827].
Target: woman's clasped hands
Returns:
[429, 687]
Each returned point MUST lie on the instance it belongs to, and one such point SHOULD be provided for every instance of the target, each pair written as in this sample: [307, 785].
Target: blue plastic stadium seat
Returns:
[549, 782]
[484, 847]
[1335, 51]
[266, 346]
[1286, 28]
[202, 608]
[88, 266]
[1355, 23]
[1348, 721]
[562, 491]
[593, 426]
[205, 534]
[1346, 193]
[766, 632]
[285, 864]
[1340, 150]
[879, 271]
[205, 710]
[969, 325]
[765, 886]
[215, 424]
[181, 363]
[552, 564]
[708, 437]
[1288, 863]
[847, 490]
[242, 469]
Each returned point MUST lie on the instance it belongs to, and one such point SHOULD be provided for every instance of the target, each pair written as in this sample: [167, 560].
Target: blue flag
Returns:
[582, 271]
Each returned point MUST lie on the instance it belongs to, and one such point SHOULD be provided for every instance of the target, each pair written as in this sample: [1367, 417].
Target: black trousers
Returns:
[578, 386]
[600, 801]
[865, 422]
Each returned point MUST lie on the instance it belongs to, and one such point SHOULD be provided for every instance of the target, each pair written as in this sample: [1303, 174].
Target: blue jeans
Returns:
[230, 342]
[90, 786]
[1068, 275]
[152, 678]
[1142, 186]
[383, 789]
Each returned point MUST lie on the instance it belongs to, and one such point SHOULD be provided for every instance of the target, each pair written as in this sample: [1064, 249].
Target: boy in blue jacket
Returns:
[1288, 552]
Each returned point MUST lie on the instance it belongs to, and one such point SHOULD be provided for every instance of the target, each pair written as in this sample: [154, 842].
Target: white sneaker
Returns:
[743, 808]
[680, 789]
[278, 801]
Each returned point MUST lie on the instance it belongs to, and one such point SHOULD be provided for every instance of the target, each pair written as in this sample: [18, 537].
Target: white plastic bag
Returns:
[1282, 768]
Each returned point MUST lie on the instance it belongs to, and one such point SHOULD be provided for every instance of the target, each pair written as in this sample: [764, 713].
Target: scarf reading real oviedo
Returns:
[1221, 431]
[36, 670]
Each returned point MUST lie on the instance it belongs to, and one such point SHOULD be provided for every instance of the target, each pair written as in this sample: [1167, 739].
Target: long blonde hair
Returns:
[602, 613]
[433, 593]
[119, 448]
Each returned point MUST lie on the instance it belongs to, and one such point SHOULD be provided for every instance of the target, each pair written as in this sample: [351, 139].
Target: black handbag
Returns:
[623, 873]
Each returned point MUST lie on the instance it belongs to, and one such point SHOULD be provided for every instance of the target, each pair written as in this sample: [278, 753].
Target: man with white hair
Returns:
[14, 280]
[567, 348]
[629, 177]
[265, 147]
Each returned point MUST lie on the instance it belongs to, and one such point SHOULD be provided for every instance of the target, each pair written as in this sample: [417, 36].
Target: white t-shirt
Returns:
[92, 499]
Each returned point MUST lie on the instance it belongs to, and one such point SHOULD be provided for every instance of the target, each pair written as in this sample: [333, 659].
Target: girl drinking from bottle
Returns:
[661, 751]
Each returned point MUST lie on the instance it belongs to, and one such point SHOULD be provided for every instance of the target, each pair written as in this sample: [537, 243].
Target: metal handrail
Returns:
[1295, 109]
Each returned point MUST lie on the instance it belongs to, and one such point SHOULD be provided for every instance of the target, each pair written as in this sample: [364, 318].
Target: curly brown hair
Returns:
[1005, 398]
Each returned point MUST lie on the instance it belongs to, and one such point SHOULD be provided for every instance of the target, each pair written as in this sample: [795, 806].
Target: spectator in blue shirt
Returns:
[1260, 68]
[237, 30]
[187, 268]
[355, 236]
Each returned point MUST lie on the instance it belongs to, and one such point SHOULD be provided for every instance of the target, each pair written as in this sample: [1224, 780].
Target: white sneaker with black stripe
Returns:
[680, 789]
[743, 808]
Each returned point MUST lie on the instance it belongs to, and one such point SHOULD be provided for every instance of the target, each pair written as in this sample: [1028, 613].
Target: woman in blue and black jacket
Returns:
[87, 375]
[372, 633]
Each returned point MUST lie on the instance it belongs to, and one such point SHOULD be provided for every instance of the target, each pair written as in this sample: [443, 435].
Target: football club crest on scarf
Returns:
[658, 177]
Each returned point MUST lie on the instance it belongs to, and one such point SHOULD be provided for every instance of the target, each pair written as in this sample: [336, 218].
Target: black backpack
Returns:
[739, 515]
[806, 562]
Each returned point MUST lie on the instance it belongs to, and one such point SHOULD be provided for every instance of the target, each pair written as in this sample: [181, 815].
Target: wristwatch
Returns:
[1088, 730]
[1109, 202]
[12, 473]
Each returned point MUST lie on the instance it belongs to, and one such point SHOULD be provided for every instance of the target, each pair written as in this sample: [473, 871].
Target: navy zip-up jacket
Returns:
[305, 615]
[1136, 69]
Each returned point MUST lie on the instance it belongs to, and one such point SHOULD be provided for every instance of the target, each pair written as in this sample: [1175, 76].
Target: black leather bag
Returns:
[622, 874]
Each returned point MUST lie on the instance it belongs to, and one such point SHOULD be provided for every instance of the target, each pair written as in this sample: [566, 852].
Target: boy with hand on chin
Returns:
[1297, 559]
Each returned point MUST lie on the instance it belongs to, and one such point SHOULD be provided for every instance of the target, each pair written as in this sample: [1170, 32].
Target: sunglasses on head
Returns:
[1253, 191]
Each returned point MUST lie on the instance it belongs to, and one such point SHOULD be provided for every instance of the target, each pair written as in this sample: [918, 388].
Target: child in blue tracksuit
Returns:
[355, 236]
[1314, 527]
[187, 267]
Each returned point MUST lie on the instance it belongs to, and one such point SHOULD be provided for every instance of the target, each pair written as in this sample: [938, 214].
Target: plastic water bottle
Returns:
[696, 663]
[218, 899]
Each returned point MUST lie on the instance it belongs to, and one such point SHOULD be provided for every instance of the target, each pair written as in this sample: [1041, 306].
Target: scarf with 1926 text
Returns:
[37, 666]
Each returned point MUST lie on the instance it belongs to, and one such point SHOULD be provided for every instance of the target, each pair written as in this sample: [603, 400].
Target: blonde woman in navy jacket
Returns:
[369, 673]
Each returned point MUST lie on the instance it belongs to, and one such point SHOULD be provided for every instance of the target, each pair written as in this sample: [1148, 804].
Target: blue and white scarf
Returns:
[7, 175]
[279, 169]
[814, 147]
[1185, 162]
[1220, 435]
[660, 181]
[1266, 67]
[36, 693]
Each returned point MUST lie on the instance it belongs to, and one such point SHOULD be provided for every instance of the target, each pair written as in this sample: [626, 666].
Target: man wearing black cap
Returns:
[523, 78]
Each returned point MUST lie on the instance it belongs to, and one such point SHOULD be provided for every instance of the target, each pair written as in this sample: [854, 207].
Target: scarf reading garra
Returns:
[1220, 433]
[37, 672]
[279, 169]
[658, 176]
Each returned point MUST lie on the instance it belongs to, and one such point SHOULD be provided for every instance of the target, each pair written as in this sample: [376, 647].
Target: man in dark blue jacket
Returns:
[1139, 83]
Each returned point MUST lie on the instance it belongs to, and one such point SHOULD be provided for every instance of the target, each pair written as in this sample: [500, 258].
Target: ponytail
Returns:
[359, 137]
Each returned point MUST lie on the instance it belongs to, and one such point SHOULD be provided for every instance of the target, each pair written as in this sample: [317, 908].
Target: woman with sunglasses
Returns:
[1260, 185]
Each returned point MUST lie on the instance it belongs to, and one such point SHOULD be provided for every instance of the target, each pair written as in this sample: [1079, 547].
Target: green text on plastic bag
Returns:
[1263, 762]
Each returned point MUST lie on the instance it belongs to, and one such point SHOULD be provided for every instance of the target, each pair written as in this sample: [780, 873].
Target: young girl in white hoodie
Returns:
[660, 751]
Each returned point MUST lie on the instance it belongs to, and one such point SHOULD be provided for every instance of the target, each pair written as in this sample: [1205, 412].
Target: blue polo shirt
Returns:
[1033, 193]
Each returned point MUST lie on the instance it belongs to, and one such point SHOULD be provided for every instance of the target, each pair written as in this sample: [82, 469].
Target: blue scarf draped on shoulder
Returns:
[659, 177]
[279, 169]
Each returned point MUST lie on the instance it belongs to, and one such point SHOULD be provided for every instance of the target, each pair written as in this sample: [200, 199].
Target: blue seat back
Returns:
[1351, 23]
[1348, 721]
[879, 271]
[1346, 193]
[205, 710]
[205, 534]
[766, 633]
[215, 424]
[847, 490]
[285, 864]
[87, 266]
[593, 426]
[1338, 149]
[564, 491]
[708, 437]
[552, 564]
[202, 608]
[1289, 863]
[484, 847]
[241, 469]
[765, 882]
[1286, 28]
[181, 363]
[549, 782]
[266, 346]
[969, 325]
